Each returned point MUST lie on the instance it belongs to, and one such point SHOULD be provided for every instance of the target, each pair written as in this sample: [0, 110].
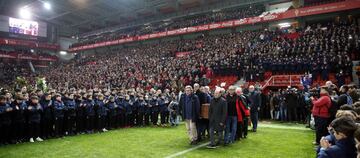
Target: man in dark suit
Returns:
[255, 102]
[190, 108]
[201, 124]
[217, 117]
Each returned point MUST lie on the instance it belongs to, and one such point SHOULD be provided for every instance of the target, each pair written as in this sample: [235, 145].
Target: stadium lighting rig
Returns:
[284, 25]
[63, 52]
[25, 12]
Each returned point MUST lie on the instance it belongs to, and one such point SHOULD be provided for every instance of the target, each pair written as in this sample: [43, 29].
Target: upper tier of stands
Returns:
[187, 21]
[193, 20]
[317, 49]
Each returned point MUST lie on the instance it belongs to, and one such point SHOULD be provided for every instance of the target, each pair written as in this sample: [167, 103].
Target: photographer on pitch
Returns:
[321, 113]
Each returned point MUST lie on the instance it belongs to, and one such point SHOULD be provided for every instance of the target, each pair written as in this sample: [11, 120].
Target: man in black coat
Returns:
[201, 124]
[255, 104]
[217, 118]
[292, 104]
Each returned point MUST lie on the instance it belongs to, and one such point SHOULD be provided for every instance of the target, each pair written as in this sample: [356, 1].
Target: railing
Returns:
[283, 80]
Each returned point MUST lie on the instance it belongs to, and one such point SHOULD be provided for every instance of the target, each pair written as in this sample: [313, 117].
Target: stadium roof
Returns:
[74, 17]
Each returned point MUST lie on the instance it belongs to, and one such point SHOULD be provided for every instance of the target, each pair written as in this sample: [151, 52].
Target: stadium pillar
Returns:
[31, 67]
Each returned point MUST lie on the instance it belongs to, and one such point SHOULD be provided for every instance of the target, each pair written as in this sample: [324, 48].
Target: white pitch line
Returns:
[283, 127]
[261, 125]
[187, 150]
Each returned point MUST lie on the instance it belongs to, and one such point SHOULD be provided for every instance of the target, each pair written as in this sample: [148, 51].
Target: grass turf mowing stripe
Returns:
[261, 125]
[164, 142]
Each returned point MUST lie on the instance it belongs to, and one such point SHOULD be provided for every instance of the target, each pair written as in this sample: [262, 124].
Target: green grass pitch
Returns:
[273, 140]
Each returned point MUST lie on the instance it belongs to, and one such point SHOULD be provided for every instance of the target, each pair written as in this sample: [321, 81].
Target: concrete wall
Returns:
[64, 45]
[280, 5]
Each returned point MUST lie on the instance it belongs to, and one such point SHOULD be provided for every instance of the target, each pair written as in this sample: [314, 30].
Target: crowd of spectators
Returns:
[9, 72]
[317, 49]
[192, 20]
[319, 2]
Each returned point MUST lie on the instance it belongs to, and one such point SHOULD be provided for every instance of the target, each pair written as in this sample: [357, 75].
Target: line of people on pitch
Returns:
[55, 116]
[228, 117]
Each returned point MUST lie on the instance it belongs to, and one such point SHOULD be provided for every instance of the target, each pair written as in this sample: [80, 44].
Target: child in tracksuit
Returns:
[70, 115]
[47, 117]
[34, 114]
[147, 111]
[174, 111]
[140, 106]
[59, 111]
[163, 109]
[5, 120]
[18, 119]
[90, 113]
[111, 117]
[101, 113]
[154, 104]
[80, 115]
[127, 104]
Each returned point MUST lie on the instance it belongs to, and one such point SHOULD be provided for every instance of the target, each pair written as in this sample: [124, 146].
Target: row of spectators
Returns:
[32, 115]
[319, 2]
[187, 21]
[183, 22]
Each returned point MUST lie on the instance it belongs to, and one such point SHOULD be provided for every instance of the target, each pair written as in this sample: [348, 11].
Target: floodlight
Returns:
[25, 13]
[47, 5]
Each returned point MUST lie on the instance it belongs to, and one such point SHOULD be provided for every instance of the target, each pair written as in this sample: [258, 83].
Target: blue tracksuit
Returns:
[5, 117]
[162, 105]
[101, 108]
[59, 109]
[140, 105]
[18, 111]
[147, 108]
[71, 106]
[48, 108]
[154, 105]
[34, 114]
[127, 106]
[111, 106]
[89, 108]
